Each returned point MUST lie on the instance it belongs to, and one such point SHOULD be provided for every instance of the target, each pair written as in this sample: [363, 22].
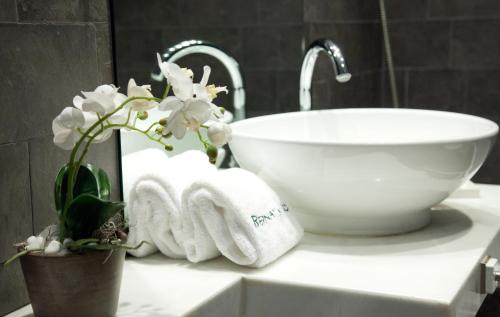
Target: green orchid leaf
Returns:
[90, 180]
[87, 213]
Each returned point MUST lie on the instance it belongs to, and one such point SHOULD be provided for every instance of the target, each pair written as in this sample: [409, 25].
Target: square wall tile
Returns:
[401, 77]
[361, 91]
[463, 8]
[63, 10]
[420, 44]
[218, 12]
[288, 91]
[475, 44]
[15, 198]
[146, 15]
[280, 11]
[272, 48]
[483, 93]
[13, 291]
[406, 10]
[261, 91]
[437, 90]
[340, 10]
[8, 11]
[47, 86]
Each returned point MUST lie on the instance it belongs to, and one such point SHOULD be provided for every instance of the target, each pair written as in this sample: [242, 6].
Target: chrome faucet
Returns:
[203, 47]
[342, 75]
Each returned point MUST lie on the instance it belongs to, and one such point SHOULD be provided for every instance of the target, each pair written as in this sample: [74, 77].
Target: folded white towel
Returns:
[155, 201]
[247, 221]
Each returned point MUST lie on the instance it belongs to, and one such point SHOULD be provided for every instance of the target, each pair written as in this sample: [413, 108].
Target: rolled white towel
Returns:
[137, 164]
[248, 222]
[155, 203]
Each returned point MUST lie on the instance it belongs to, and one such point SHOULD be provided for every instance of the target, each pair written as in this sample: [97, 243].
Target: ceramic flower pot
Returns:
[75, 285]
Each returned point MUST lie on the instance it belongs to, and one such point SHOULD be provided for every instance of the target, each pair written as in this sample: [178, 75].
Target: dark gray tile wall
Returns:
[446, 58]
[51, 50]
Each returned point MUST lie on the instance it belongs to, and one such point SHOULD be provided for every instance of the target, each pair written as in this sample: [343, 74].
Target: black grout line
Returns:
[16, 11]
[31, 188]
[450, 44]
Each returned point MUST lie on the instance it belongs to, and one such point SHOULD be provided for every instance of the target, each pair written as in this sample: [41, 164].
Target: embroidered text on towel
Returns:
[259, 221]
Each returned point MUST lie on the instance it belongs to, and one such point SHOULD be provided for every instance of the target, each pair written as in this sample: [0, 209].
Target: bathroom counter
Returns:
[431, 272]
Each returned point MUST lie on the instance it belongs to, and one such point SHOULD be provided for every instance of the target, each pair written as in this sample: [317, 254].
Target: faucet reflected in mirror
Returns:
[331, 49]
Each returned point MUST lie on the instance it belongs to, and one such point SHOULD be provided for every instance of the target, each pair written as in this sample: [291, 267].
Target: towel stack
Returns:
[185, 208]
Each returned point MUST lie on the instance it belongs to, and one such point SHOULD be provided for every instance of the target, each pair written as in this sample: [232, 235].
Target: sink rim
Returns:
[492, 128]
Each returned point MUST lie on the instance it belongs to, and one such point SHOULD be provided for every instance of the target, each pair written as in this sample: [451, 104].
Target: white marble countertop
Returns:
[431, 272]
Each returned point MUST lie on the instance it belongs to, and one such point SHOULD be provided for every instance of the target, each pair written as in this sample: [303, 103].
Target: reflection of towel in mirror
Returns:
[247, 221]
[155, 199]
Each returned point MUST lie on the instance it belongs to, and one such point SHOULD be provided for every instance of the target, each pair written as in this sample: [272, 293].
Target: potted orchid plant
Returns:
[74, 268]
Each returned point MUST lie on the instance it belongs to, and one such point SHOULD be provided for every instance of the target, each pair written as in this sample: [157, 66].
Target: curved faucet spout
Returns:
[342, 75]
[204, 47]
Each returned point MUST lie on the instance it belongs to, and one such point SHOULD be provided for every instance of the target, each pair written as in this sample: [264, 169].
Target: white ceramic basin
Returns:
[363, 171]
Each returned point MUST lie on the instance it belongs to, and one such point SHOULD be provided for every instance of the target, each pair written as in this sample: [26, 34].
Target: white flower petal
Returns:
[163, 65]
[182, 84]
[63, 137]
[170, 103]
[206, 75]
[71, 118]
[78, 101]
[140, 91]
[176, 125]
[119, 99]
[219, 133]
[131, 83]
[100, 100]
[119, 118]
[198, 110]
[201, 92]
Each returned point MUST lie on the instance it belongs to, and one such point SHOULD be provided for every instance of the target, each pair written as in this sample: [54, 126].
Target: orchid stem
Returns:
[166, 91]
[73, 169]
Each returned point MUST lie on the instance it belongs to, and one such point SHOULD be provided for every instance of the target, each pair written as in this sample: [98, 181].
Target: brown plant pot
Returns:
[75, 285]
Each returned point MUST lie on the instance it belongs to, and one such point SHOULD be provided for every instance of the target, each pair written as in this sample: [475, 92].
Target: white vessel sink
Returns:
[363, 171]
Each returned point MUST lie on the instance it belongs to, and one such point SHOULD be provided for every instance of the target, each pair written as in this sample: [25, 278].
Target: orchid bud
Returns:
[159, 130]
[167, 135]
[168, 147]
[219, 133]
[163, 121]
[142, 115]
[212, 153]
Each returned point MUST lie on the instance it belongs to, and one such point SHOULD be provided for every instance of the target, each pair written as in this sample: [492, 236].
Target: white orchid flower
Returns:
[100, 101]
[209, 93]
[34, 243]
[219, 133]
[65, 127]
[191, 106]
[119, 117]
[186, 111]
[181, 79]
[133, 90]
[192, 115]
